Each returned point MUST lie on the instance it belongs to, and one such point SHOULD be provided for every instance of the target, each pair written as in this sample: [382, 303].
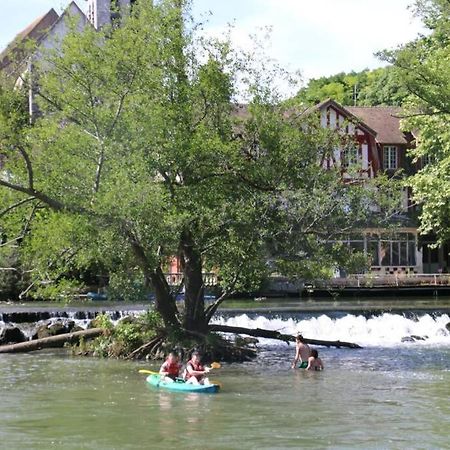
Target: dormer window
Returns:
[390, 157]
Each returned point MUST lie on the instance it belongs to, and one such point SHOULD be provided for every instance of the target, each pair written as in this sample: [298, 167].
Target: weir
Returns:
[369, 328]
[384, 330]
[24, 314]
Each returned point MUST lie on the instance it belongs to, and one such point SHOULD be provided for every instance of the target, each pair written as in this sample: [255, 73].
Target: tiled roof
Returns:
[35, 31]
[384, 120]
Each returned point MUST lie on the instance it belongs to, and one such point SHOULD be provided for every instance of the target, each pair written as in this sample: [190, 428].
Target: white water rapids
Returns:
[382, 330]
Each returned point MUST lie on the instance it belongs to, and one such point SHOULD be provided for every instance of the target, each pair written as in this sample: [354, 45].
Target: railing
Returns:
[394, 280]
[176, 278]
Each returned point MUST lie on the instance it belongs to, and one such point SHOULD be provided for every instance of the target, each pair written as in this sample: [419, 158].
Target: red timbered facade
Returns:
[359, 148]
[376, 144]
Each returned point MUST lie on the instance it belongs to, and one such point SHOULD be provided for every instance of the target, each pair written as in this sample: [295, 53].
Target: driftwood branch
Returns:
[146, 348]
[258, 332]
[52, 341]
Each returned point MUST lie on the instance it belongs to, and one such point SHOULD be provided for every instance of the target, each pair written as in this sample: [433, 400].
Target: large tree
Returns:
[425, 71]
[143, 152]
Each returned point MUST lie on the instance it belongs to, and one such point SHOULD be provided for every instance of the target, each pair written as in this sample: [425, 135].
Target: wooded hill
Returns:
[379, 87]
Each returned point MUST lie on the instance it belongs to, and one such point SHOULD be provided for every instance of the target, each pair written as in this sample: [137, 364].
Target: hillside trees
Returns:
[378, 87]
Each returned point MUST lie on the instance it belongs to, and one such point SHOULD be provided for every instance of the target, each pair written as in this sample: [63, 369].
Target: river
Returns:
[390, 394]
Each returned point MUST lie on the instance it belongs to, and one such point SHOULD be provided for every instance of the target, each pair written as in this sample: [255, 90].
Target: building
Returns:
[104, 12]
[378, 145]
[45, 33]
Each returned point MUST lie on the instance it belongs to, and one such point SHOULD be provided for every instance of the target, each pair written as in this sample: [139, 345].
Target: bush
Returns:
[126, 336]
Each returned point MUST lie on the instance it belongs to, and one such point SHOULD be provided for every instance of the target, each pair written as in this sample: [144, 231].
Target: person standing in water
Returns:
[302, 353]
[314, 362]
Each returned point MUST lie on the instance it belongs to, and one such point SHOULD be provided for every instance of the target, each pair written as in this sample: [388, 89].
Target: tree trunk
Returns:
[194, 314]
[164, 301]
[52, 341]
[258, 332]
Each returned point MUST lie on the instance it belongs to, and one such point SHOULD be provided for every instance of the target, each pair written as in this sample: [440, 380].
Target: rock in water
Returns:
[414, 338]
[54, 329]
[11, 335]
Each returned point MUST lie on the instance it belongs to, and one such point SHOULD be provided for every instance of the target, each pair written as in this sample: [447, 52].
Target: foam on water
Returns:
[383, 330]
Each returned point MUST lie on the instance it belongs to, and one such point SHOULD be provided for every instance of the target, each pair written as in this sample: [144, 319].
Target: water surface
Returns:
[388, 395]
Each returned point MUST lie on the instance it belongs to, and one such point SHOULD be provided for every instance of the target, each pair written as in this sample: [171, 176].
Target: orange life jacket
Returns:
[197, 367]
[172, 369]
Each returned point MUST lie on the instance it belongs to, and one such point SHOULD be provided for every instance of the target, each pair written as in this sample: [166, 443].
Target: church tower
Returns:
[103, 12]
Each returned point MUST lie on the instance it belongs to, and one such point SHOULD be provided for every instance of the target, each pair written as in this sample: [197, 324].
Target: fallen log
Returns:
[259, 332]
[52, 341]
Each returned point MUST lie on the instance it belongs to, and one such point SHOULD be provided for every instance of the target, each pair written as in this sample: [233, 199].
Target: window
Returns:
[427, 159]
[350, 156]
[390, 157]
[396, 250]
[373, 250]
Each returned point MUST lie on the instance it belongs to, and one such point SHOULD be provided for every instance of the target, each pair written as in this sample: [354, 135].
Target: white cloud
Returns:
[323, 37]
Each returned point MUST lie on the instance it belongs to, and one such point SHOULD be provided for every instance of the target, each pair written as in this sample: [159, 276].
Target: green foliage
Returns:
[140, 155]
[151, 320]
[9, 277]
[102, 321]
[129, 334]
[381, 86]
[127, 285]
[424, 65]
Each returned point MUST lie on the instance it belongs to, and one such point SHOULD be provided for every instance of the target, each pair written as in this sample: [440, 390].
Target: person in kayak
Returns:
[302, 353]
[314, 362]
[195, 372]
[170, 369]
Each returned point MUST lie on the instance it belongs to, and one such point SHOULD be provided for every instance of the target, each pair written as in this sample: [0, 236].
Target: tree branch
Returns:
[16, 205]
[27, 159]
[53, 203]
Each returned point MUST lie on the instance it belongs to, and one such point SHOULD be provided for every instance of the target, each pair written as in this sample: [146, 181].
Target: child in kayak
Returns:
[314, 362]
[302, 353]
[195, 372]
[170, 369]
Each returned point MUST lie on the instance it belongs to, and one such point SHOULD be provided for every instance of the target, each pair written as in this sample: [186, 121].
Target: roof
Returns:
[37, 32]
[34, 31]
[385, 120]
[345, 111]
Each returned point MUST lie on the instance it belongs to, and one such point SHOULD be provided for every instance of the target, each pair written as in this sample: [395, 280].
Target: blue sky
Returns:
[317, 37]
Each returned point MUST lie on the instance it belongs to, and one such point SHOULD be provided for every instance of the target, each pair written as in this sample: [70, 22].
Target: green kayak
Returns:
[155, 380]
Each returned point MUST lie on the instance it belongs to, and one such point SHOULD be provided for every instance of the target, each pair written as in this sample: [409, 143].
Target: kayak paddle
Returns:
[148, 371]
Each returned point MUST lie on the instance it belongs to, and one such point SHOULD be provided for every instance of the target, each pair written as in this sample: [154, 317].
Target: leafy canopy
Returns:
[142, 149]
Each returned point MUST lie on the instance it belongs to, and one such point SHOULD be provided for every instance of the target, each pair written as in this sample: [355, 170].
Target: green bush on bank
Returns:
[126, 336]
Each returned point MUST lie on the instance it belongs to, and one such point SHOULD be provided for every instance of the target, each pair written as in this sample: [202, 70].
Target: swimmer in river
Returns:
[302, 353]
[314, 362]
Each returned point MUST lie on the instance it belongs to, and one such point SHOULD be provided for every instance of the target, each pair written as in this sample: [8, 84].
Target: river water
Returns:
[390, 394]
